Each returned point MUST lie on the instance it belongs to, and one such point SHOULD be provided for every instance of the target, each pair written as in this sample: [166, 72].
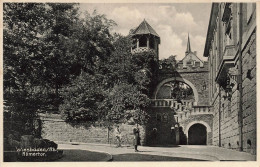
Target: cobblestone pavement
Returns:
[177, 153]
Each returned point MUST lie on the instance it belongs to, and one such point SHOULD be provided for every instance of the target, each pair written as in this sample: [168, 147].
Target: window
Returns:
[165, 118]
[143, 42]
[249, 11]
[158, 117]
[151, 43]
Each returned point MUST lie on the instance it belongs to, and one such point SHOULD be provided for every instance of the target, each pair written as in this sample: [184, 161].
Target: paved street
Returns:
[179, 153]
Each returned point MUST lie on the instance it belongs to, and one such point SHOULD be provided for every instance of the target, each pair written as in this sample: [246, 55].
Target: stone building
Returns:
[180, 112]
[231, 51]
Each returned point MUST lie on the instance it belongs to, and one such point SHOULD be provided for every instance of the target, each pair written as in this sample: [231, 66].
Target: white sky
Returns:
[172, 22]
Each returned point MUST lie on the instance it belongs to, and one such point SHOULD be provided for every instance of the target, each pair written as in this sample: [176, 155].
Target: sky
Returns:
[172, 21]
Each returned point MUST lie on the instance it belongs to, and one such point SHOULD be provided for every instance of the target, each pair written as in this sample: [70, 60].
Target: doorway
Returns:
[197, 135]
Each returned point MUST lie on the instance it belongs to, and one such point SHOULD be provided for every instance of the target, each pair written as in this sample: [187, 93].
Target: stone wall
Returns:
[165, 133]
[229, 125]
[198, 80]
[161, 118]
[249, 95]
[229, 121]
[215, 108]
[56, 129]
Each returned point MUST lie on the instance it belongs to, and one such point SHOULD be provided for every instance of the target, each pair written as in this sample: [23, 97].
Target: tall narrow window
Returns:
[143, 42]
[151, 43]
[158, 117]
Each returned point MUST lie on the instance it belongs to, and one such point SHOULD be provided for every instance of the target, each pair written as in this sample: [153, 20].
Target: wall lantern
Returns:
[228, 89]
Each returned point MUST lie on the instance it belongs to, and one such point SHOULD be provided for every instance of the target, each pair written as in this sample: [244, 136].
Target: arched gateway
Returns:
[197, 133]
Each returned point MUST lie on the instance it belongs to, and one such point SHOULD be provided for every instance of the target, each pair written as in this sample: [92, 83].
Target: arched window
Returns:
[143, 42]
[158, 117]
[165, 117]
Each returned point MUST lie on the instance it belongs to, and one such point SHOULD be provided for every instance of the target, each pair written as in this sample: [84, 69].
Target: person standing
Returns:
[118, 136]
[136, 138]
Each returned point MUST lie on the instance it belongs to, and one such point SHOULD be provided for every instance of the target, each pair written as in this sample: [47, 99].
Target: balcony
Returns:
[143, 50]
[226, 62]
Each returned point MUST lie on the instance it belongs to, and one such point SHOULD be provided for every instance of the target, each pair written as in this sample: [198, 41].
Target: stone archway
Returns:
[203, 124]
[197, 135]
[195, 92]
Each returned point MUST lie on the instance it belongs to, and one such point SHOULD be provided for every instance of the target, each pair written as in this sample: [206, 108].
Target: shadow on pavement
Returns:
[83, 155]
[144, 157]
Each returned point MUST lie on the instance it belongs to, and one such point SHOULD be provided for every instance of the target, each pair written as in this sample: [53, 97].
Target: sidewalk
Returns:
[187, 152]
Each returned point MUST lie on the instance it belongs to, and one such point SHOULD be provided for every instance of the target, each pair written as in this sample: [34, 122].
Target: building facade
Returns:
[231, 51]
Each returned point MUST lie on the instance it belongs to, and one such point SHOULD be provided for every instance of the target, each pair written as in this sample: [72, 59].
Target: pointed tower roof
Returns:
[188, 50]
[144, 28]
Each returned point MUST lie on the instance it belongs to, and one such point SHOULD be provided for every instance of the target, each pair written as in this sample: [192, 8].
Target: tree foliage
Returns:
[54, 57]
[31, 59]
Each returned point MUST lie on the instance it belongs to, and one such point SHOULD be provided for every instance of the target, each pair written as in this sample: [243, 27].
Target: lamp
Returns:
[228, 89]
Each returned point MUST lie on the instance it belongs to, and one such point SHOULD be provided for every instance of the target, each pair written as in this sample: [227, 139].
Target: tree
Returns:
[59, 27]
[29, 61]
[119, 88]
[23, 24]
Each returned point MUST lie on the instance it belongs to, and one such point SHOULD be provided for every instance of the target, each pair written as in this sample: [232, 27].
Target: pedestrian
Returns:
[136, 138]
[154, 136]
[118, 136]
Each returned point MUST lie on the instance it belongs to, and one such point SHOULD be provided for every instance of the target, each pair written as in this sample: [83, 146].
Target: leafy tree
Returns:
[124, 81]
[82, 100]
[23, 24]
[29, 61]
[59, 27]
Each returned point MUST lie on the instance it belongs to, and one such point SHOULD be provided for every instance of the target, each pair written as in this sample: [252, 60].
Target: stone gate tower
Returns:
[179, 113]
[145, 39]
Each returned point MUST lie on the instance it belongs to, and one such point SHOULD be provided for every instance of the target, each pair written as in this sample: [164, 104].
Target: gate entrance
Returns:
[197, 135]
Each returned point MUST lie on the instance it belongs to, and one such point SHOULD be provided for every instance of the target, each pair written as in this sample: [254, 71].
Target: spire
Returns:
[188, 50]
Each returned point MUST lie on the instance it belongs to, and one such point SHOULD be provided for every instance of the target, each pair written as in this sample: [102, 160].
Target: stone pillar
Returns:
[148, 43]
[137, 43]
